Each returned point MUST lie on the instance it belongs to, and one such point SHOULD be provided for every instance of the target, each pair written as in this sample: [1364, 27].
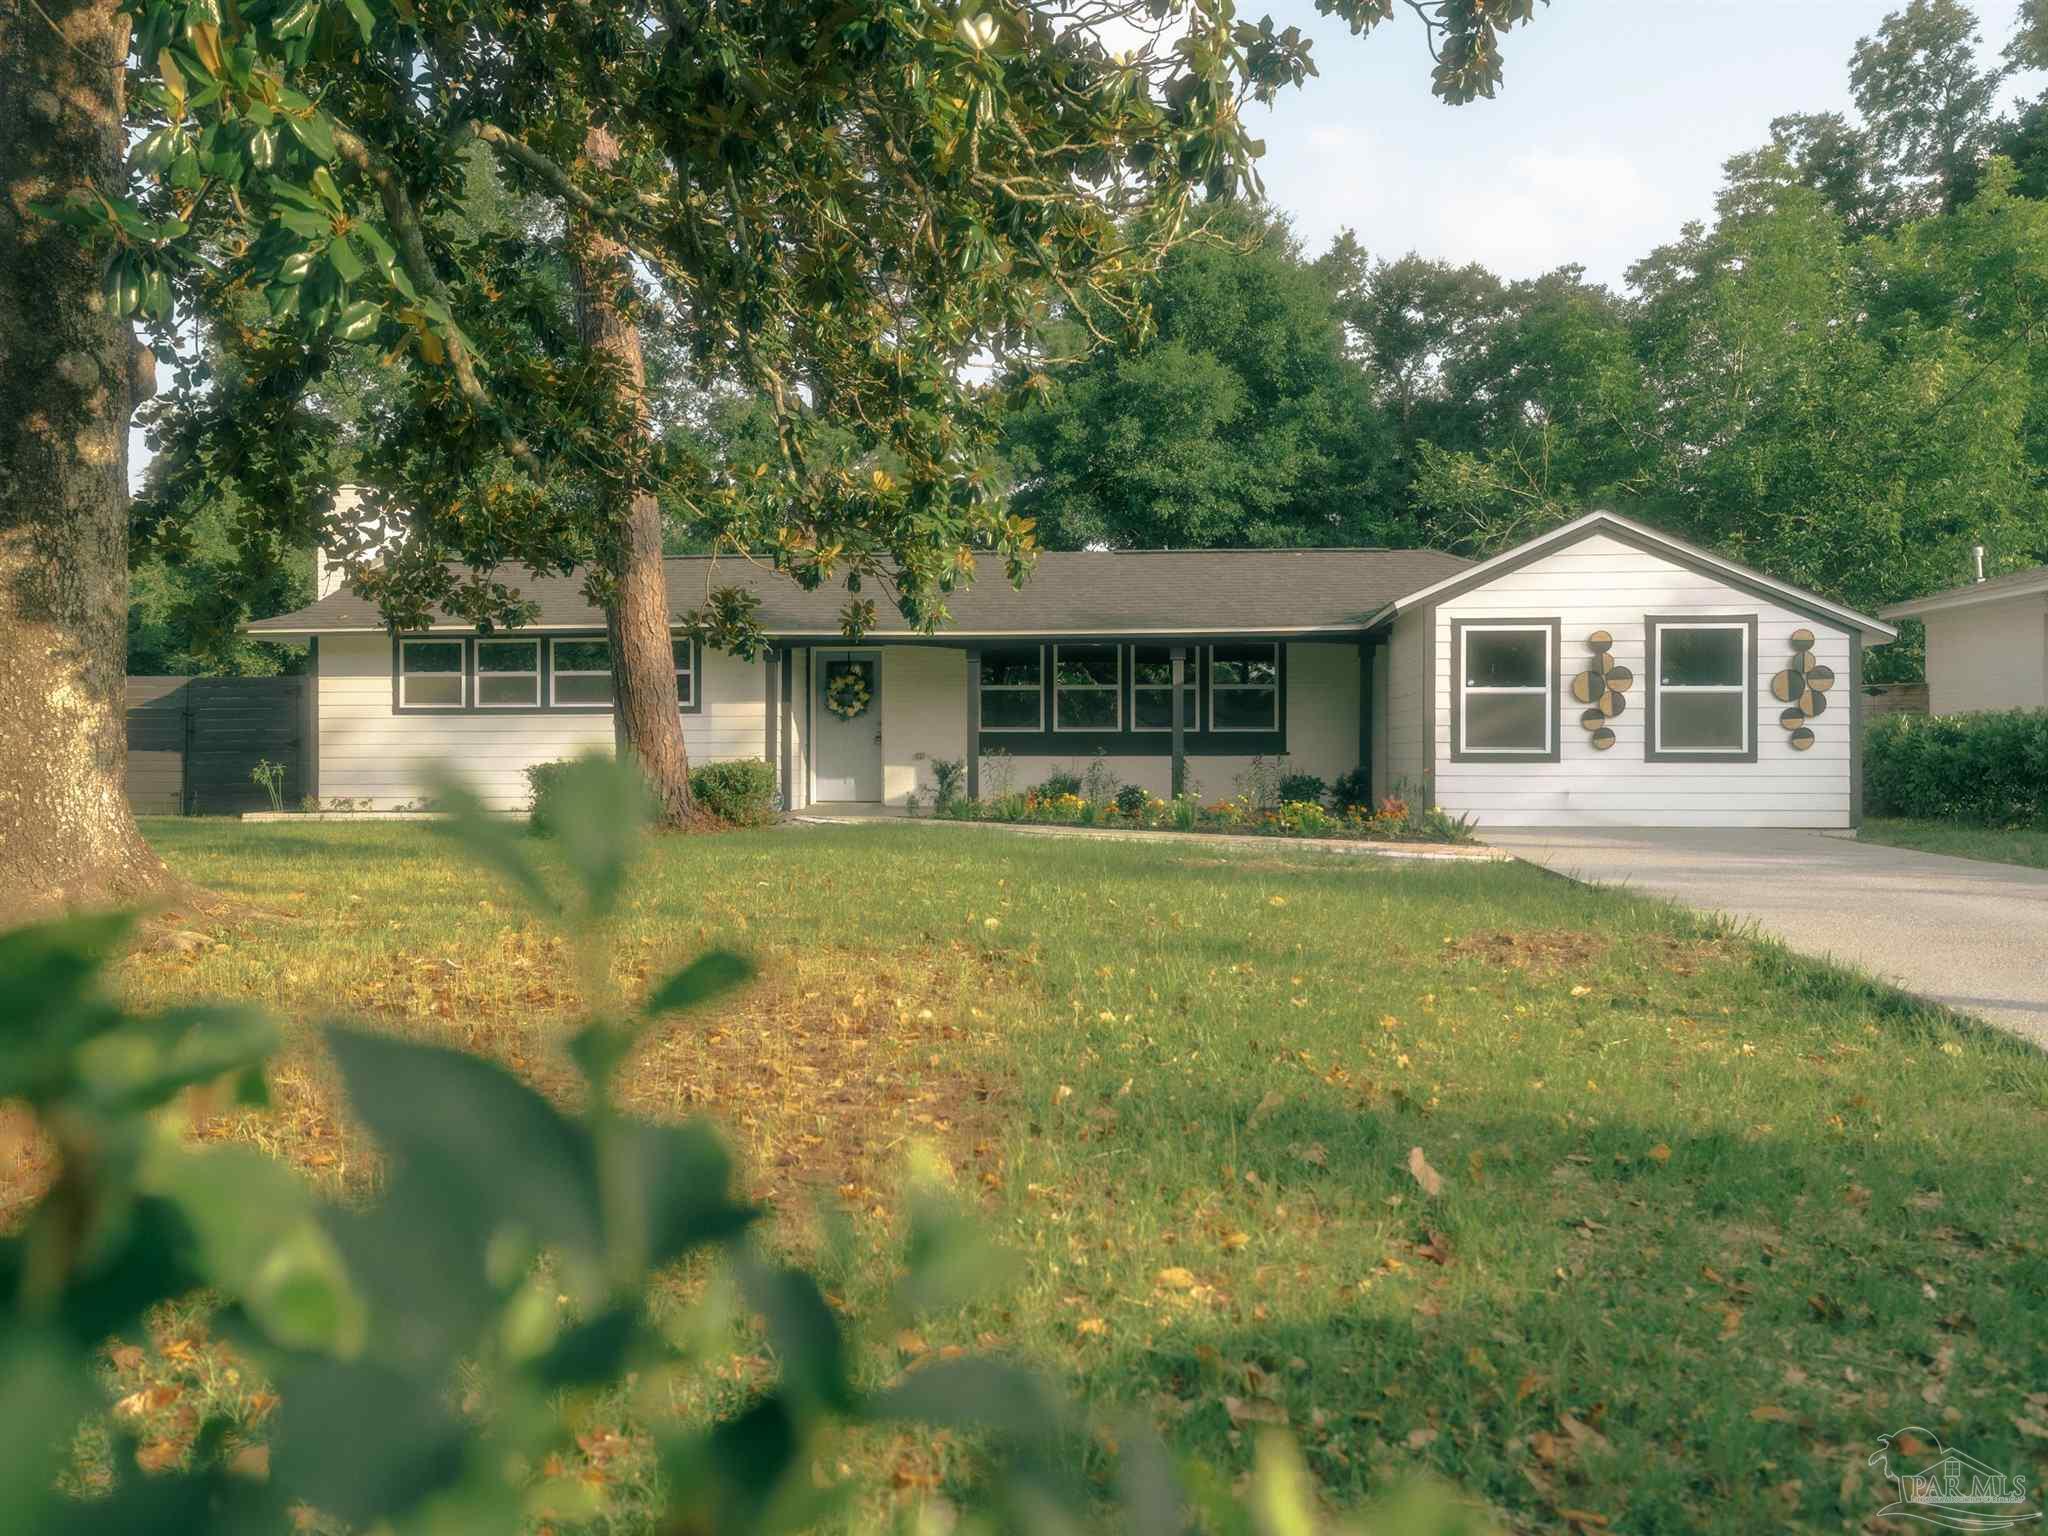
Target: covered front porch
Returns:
[862, 727]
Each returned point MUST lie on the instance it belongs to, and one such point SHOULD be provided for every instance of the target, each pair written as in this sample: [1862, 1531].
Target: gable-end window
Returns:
[1087, 687]
[1152, 690]
[1013, 688]
[582, 673]
[507, 674]
[1244, 687]
[686, 672]
[1506, 676]
[430, 674]
[1702, 688]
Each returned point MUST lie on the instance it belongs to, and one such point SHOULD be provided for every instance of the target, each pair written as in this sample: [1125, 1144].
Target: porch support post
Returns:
[1180, 752]
[787, 709]
[974, 722]
[1366, 650]
[771, 711]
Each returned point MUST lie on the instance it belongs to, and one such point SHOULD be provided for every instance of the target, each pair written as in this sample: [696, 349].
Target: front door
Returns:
[848, 725]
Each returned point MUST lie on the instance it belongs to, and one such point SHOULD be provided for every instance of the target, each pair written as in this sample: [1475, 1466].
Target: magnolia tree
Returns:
[834, 206]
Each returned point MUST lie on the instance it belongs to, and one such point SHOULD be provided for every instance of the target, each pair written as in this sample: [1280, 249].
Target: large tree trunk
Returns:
[69, 377]
[643, 660]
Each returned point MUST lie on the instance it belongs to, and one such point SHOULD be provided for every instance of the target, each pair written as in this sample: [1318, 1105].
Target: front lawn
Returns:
[2020, 845]
[1710, 1219]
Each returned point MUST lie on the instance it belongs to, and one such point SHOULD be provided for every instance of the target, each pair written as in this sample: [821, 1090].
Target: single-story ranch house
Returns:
[1602, 673]
[1987, 643]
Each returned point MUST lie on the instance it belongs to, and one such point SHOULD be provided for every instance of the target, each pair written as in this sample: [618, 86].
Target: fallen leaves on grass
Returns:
[1430, 1181]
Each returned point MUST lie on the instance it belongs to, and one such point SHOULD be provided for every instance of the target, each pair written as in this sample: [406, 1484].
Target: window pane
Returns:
[1154, 708]
[507, 690]
[1505, 658]
[1003, 709]
[1697, 657]
[682, 654]
[583, 690]
[1153, 666]
[1244, 664]
[583, 656]
[1087, 664]
[1087, 709]
[433, 656]
[438, 689]
[507, 656]
[1010, 665]
[1701, 722]
[1244, 709]
[1507, 722]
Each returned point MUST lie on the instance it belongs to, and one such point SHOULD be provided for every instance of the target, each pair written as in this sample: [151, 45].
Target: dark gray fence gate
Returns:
[192, 742]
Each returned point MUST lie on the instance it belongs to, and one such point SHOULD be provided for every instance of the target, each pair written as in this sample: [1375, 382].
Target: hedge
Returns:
[740, 792]
[1990, 769]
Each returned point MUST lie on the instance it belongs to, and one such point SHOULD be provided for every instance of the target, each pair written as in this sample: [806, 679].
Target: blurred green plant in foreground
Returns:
[510, 1243]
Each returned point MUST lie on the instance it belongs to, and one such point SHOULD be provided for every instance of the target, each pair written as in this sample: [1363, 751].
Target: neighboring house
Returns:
[1987, 643]
[1486, 685]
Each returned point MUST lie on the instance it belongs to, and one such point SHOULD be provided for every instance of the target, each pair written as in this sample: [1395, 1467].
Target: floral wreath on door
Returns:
[847, 693]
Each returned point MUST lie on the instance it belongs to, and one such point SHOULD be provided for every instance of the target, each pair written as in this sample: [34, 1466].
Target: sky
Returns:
[1607, 134]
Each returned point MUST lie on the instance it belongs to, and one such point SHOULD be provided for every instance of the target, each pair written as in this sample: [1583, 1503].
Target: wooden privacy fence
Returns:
[192, 742]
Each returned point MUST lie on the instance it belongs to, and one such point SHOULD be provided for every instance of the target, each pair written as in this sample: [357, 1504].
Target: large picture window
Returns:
[1152, 690]
[1013, 688]
[582, 672]
[430, 674]
[507, 674]
[1506, 703]
[1244, 687]
[1088, 687]
[1702, 688]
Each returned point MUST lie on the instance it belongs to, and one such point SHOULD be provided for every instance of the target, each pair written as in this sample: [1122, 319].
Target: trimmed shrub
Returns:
[1353, 790]
[1057, 785]
[741, 792]
[1302, 789]
[1131, 800]
[1989, 769]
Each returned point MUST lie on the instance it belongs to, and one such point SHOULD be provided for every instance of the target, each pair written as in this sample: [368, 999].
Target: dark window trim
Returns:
[1189, 684]
[1652, 622]
[477, 673]
[1457, 689]
[1007, 732]
[1279, 688]
[1119, 688]
[547, 705]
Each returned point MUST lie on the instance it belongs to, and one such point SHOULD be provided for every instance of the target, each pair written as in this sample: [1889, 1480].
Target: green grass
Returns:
[1712, 1217]
[2020, 845]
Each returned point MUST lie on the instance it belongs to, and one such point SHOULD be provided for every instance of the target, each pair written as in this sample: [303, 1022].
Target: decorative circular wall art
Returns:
[1600, 687]
[1803, 688]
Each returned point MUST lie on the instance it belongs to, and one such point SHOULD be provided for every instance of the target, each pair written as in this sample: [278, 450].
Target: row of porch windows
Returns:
[1224, 688]
[436, 674]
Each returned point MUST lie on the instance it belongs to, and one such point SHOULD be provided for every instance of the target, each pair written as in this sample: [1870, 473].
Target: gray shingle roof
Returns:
[1194, 591]
[2011, 584]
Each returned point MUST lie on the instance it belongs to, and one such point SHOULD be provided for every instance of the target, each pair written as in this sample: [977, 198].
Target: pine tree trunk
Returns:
[70, 374]
[643, 659]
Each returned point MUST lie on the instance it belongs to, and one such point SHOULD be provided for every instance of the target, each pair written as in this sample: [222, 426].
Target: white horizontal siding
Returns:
[1601, 583]
[370, 753]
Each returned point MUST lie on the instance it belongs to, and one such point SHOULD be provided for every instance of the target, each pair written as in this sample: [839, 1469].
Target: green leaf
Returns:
[365, 22]
[591, 1352]
[53, 967]
[490, 840]
[258, 1238]
[45, 1390]
[684, 1175]
[974, 1395]
[313, 129]
[144, 1062]
[297, 20]
[712, 974]
[348, 266]
[471, 1131]
[803, 1333]
[358, 322]
[602, 813]
[364, 1442]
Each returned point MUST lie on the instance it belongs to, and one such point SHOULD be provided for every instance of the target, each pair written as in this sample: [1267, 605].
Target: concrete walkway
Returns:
[1969, 934]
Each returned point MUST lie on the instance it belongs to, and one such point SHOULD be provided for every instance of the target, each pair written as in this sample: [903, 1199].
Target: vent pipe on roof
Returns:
[1977, 555]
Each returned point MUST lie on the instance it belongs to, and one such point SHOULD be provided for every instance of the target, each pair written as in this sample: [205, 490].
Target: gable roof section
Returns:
[2028, 583]
[1123, 592]
[1649, 539]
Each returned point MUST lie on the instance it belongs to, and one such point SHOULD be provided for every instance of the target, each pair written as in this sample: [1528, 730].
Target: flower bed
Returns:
[1394, 820]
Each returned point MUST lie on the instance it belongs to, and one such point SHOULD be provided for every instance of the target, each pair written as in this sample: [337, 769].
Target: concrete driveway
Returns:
[1956, 931]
